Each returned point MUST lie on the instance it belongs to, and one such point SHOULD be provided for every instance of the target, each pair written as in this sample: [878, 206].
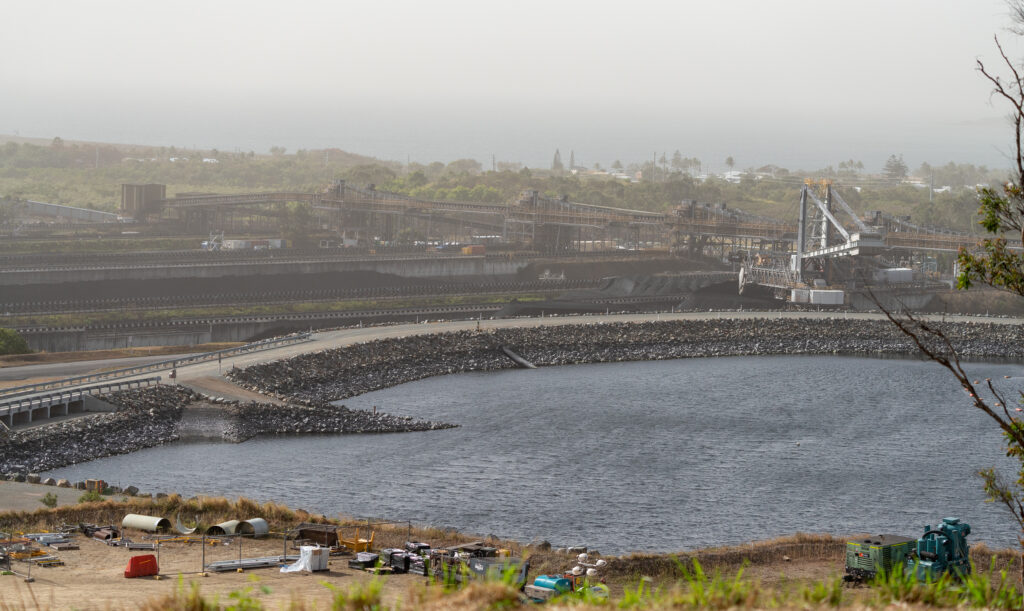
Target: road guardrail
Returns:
[158, 366]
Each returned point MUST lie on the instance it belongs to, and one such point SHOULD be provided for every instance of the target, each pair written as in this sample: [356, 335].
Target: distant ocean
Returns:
[531, 137]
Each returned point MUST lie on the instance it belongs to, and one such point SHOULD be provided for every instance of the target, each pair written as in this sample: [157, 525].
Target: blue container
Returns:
[553, 582]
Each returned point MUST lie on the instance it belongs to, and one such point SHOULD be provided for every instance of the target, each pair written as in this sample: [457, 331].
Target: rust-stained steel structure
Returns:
[827, 228]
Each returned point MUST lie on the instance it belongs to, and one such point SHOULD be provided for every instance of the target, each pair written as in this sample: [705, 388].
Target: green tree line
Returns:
[90, 175]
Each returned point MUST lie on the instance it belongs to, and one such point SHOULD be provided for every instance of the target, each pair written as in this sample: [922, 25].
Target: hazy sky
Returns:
[797, 83]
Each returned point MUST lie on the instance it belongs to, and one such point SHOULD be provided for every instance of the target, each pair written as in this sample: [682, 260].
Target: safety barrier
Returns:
[11, 406]
[168, 364]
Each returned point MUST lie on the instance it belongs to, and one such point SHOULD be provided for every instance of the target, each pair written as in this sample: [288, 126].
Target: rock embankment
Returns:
[330, 375]
[147, 417]
[252, 419]
[152, 416]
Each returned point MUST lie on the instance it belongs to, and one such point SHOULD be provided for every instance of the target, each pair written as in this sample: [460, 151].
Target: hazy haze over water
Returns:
[796, 83]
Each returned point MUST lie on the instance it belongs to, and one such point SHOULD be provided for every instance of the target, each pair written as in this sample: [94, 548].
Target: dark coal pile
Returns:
[330, 375]
[149, 417]
[251, 419]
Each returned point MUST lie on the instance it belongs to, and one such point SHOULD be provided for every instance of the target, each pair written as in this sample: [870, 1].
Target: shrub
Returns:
[824, 593]
[714, 592]
[90, 497]
[901, 586]
[984, 591]
[11, 342]
[49, 499]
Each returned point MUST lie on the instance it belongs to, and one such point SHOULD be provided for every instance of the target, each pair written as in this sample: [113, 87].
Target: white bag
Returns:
[304, 563]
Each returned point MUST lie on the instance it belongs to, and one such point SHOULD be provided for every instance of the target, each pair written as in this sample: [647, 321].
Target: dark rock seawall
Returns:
[148, 417]
[330, 375]
[251, 419]
[151, 416]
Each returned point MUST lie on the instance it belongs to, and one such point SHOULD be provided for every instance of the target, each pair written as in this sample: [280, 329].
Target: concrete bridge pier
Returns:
[65, 408]
[45, 413]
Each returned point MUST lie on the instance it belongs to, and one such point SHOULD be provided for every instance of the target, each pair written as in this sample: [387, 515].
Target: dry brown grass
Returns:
[771, 552]
[473, 596]
[982, 557]
[632, 567]
[205, 510]
[214, 510]
[19, 597]
[796, 551]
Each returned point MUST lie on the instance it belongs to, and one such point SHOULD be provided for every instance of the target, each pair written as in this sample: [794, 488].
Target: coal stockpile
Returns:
[148, 417]
[184, 287]
[330, 375]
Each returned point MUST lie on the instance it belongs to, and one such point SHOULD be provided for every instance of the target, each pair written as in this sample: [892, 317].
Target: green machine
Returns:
[866, 557]
[940, 550]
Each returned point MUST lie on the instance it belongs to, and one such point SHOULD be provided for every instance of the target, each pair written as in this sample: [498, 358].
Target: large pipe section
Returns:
[257, 527]
[224, 528]
[147, 523]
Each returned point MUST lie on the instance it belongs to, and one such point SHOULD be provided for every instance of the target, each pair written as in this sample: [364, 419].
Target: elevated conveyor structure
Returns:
[546, 224]
[837, 250]
[827, 229]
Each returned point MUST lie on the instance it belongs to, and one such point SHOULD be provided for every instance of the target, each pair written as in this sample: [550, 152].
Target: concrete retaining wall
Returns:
[427, 267]
[78, 340]
[189, 334]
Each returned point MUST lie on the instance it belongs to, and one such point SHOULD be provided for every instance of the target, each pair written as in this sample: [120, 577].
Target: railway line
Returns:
[177, 258]
[27, 261]
[134, 265]
[452, 312]
[113, 304]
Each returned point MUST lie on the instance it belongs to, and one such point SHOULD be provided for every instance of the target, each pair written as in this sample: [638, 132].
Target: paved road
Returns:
[333, 339]
[76, 368]
[200, 373]
[15, 496]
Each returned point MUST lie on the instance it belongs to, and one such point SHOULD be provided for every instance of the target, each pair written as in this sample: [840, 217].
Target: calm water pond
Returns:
[664, 455]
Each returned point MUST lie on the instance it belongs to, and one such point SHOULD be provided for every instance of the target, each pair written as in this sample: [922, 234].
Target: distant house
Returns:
[733, 176]
[210, 160]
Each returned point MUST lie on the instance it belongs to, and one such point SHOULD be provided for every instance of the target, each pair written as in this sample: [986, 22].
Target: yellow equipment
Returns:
[357, 544]
[95, 485]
